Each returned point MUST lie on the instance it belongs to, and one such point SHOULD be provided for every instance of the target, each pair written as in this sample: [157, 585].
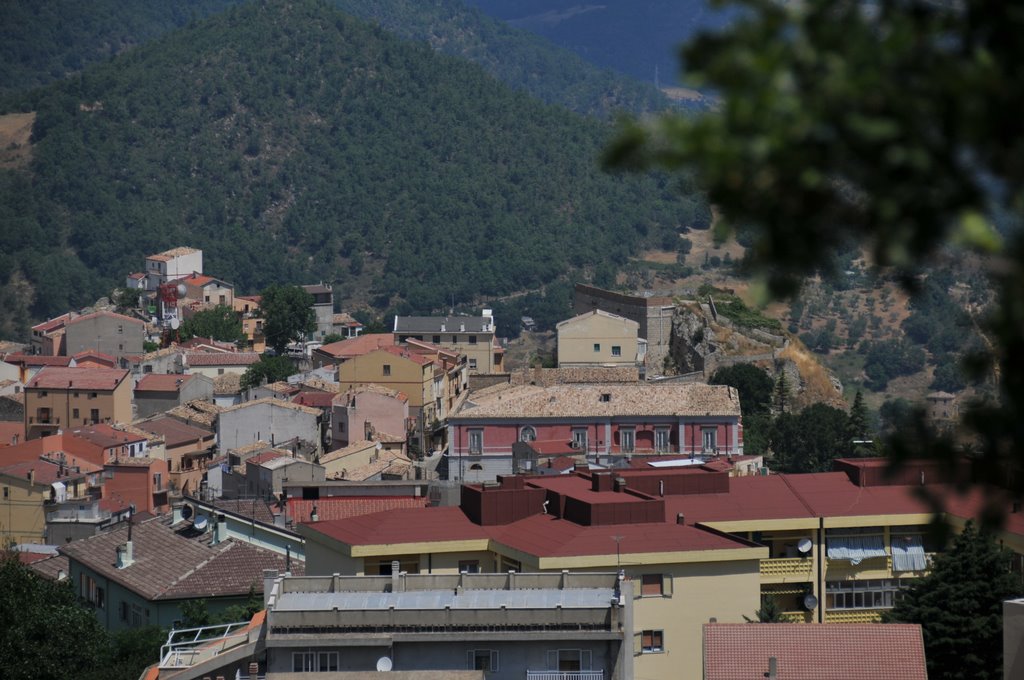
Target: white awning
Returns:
[908, 553]
[855, 548]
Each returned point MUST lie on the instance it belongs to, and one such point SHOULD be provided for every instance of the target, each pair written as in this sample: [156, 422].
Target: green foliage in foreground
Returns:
[288, 315]
[48, 633]
[883, 129]
[959, 606]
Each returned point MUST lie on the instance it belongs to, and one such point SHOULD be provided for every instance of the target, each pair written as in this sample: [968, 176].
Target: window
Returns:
[527, 434]
[597, 347]
[92, 395]
[472, 364]
[76, 395]
[662, 439]
[7, 492]
[74, 413]
[508, 564]
[472, 339]
[158, 481]
[147, 369]
[569, 660]
[866, 594]
[476, 441]
[387, 370]
[579, 439]
[652, 642]
[101, 598]
[120, 329]
[43, 393]
[709, 437]
[94, 415]
[627, 439]
[437, 339]
[483, 660]
[220, 371]
[469, 566]
[616, 350]
[655, 585]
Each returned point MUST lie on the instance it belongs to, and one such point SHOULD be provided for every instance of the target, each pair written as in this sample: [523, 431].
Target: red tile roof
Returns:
[92, 357]
[105, 436]
[266, 457]
[174, 431]
[852, 651]
[113, 315]
[748, 498]
[342, 507]
[169, 566]
[36, 360]
[832, 494]
[158, 382]
[48, 473]
[10, 430]
[404, 525]
[58, 378]
[221, 358]
[354, 347]
[546, 536]
[52, 324]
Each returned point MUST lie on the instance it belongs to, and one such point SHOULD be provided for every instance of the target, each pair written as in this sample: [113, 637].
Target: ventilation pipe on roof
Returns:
[313, 517]
[680, 518]
[661, 487]
[125, 555]
[773, 668]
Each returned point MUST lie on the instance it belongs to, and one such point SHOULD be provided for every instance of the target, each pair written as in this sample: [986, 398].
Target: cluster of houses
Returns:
[406, 503]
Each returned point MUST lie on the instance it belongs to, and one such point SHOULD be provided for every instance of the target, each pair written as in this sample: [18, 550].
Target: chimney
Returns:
[313, 517]
[269, 576]
[220, 529]
[31, 476]
[254, 671]
[176, 513]
[396, 582]
[773, 668]
[462, 327]
[125, 555]
[620, 484]
[680, 518]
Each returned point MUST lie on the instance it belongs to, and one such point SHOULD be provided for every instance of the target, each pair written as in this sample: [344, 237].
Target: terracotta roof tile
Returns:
[52, 567]
[221, 358]
[342, 507]
[169, 566]
[559, 401]
[865, 651]
[280, 403]
[174, 431]
[159, 382]
[58, 378]
[36, 360]
[354, 347]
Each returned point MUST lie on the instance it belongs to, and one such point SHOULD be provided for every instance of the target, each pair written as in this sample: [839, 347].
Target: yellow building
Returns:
[30, 488]
[683, 576]
[834, 547]
[598, 338]
[61, 398]
[434, 380]
[471, 336]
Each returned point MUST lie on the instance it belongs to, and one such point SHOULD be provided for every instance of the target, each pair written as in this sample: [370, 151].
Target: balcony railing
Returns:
[564, 675]
[787, 566]
[853, 615]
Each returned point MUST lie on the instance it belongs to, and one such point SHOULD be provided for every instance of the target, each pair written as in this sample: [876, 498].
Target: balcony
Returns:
[854, 615]
[788, 568]
[797, 617]
[564, 675]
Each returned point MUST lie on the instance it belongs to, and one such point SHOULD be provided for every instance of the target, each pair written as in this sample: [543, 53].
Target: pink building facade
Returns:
[364, 411]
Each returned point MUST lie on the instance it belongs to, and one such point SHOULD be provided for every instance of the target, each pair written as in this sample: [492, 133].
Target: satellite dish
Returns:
[384, 664]
[200, 523]
[804, 546]
[181, 291]
[175, 323]
[810, 602]
[379, 446]
[186, 512]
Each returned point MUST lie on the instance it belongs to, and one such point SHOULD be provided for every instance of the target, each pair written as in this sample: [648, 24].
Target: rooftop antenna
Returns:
[657, 85]
[618, 555]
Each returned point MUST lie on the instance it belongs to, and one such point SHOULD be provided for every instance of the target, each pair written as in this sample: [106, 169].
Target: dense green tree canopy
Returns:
[959, 606]
[754, 385]
[220, 323]
[895, 129]
[267, 370]
[810, 440]
[288, 315]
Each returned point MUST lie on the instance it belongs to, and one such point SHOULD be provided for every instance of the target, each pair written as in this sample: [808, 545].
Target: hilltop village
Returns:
[402, 500]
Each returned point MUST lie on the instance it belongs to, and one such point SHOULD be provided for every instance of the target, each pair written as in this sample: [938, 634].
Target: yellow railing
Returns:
[787, 566]
[796, 617]
[853, 616]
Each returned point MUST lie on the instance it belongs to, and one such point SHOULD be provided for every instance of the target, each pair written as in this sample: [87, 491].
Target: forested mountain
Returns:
[630, 36]
[45, 40]
[293, 142]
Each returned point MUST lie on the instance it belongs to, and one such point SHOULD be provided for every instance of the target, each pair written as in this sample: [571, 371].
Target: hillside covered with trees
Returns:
[46, 40]
[293, 142]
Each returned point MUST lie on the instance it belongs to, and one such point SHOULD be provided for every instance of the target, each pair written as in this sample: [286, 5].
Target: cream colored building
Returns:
[472, 336]
[28, 488]
[598, 338]
[172, 264]
[60, 398]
